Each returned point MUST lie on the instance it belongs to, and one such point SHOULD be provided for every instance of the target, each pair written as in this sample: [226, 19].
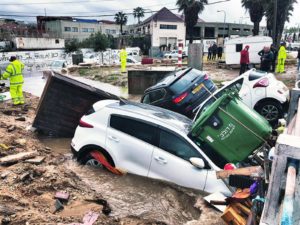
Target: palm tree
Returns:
[191, 9]
[121, 19]
[284, 11]
[256, 10]
[138, 13]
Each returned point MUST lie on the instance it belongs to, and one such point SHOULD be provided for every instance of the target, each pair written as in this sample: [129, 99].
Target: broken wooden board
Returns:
[17, 157]
[63, 102]
[287, 147]
[36, 161]
[254, 171]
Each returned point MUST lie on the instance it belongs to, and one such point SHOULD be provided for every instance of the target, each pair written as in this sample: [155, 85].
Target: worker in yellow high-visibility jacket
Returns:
[13, 72]
[281, 58]
[123, 57]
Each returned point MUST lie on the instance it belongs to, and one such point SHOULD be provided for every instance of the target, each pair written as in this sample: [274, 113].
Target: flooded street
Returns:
[140, 197]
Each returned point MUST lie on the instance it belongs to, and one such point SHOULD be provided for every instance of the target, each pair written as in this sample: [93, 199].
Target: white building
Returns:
[165, 28]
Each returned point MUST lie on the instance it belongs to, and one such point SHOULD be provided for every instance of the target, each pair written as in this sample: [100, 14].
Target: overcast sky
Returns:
[234, 11]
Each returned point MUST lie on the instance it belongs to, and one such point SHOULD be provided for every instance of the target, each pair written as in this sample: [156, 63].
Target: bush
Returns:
[72, 46]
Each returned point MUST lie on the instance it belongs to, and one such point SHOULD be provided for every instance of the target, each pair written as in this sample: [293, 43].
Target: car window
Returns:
[138, 129]
[176, 146]
[154, 96]
[236, 86]
[185, 81]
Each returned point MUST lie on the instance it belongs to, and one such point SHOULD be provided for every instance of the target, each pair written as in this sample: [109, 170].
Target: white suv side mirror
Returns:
[197, 162]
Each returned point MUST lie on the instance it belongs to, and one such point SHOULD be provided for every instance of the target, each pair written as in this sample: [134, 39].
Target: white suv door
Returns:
[130, 141]
[170, 162]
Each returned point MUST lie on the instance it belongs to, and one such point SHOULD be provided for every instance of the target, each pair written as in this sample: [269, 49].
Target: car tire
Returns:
[89, 160]
[170, 57]
[270, 110]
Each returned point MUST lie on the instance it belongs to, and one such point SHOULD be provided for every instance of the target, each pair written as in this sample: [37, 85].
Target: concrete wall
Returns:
[140, 80]
[39, 43]
[158, 33]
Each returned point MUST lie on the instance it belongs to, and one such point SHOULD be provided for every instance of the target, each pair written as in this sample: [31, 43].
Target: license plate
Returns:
[197, 89]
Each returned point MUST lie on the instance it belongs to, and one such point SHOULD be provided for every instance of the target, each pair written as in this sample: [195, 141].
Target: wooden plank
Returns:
[297, 123]
[247, 171]
[271, 204]
[36, 161]
[295, 95]
[17, 157]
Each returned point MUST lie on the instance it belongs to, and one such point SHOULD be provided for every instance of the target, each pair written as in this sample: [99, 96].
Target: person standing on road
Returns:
[209, 53]
[266, 58]
[220, 52]
[214, 51]
[298, 57]
[13, 72]
[244, 62]
[281, 58]
[275, 53]
[123, 57]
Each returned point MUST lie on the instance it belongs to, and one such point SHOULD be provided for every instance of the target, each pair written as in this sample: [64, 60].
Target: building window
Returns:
[236, 29]
[91, 30]
[238, 47]
[168, 27]
[74, 29]
[247, 30]
[56, 41]
[67, 29]
[85, 30]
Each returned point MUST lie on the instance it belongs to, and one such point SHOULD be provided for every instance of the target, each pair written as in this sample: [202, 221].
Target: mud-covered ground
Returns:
[27, 190]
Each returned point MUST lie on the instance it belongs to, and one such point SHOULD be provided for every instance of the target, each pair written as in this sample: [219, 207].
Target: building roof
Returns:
[84, 20]
[163, 15]
[181, 16]
[107, 21]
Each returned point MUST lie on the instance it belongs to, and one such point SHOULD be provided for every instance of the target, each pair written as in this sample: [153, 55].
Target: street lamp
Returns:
[224, 23]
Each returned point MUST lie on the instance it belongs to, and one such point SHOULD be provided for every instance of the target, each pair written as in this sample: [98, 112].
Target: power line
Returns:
[106, 15]
[51, 3]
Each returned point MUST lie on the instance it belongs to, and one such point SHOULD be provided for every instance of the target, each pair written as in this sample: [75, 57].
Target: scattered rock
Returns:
[5, 174]
[11, 128]
[5, 220]
[17, 157]
[22, 118]
[20, 141]
[62, 196]
[58, 206]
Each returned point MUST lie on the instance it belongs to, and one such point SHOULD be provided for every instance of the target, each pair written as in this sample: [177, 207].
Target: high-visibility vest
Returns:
[123, 55]
[282, 53]
[14, 73]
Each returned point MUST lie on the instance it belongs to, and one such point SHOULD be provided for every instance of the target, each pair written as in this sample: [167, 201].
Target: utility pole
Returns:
[275, 21]
[45, 12]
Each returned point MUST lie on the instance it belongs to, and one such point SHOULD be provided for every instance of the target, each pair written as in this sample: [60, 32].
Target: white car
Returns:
[258, 90]
[148, 141]
[171, 55]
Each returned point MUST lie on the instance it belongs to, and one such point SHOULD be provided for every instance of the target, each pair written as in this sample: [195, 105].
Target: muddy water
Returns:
[132, 195]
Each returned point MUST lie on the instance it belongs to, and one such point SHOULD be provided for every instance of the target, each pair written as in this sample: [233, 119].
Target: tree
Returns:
[97, 41]
[121, 19]
[138, 13]
[256, 10]
[284, 11]
[191, 9]
[72, 46]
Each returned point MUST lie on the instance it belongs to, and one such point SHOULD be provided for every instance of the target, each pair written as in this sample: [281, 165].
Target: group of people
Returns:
[268, 56]
[213, 51]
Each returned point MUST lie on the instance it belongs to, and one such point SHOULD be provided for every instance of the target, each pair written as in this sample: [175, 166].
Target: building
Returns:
[214, 30]
[164, 27]
[10, 29]
[74, 28]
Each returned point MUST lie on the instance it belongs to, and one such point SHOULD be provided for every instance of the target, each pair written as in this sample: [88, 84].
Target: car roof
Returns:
[168, 80]
[151, 113]
[250, 74]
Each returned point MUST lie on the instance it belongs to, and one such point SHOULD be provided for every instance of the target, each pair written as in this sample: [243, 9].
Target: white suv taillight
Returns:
[262, 83]
[85, 124]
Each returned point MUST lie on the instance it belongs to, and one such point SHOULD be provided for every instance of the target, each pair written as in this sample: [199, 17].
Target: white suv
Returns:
[258, 90]
[147, 141]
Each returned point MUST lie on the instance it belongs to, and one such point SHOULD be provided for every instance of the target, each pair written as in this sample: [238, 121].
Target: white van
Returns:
[233, 48]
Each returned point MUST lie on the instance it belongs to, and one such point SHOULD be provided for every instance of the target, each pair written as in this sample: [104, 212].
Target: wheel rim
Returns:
[93, 163]
[270, 112]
